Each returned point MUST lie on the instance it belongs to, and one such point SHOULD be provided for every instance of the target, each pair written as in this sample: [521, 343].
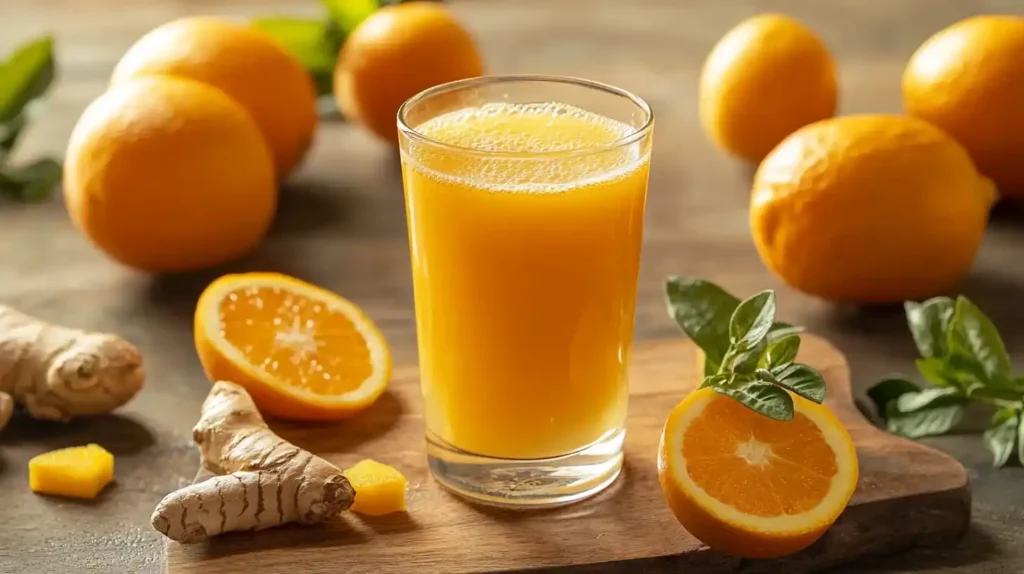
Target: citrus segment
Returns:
[752, 486]
[302, 352]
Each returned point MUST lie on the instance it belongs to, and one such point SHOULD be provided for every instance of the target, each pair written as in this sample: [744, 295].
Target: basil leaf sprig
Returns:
[965, 360]
[748, 355]
[25, 77]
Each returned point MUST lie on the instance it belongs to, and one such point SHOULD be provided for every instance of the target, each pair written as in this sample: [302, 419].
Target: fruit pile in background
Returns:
[870, 208]
[176, 166]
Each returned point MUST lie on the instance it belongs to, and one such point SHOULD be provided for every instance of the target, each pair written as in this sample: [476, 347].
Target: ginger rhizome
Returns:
[57, 372]
[78, 471]
[264, 480]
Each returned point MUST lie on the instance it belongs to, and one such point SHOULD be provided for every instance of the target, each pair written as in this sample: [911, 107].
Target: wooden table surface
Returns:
[342, 224]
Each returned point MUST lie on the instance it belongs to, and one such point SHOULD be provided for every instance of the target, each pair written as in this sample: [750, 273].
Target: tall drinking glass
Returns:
[525, 202]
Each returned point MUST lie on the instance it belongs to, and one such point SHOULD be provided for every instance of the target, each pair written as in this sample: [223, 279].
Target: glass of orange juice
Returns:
[525, 203]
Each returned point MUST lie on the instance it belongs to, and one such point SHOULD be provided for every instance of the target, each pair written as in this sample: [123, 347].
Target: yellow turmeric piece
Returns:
[78, 471]
[380, 489]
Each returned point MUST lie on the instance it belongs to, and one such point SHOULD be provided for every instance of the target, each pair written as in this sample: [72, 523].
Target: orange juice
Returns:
[525, 227]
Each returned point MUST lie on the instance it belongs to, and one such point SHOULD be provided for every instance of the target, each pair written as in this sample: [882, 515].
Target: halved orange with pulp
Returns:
[752, 486]
[301, 351]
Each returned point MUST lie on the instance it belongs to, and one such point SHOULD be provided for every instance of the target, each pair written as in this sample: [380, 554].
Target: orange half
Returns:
[751, 486]
[301, 351]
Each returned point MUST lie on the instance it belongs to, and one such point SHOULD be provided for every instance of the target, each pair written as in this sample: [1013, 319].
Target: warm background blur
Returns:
[341, 224]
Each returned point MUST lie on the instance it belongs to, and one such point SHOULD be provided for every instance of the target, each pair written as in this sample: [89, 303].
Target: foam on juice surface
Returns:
[524, 134]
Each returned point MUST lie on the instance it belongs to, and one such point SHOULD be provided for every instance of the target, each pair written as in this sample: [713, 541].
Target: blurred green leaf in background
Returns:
[317, 42]
[25, 77]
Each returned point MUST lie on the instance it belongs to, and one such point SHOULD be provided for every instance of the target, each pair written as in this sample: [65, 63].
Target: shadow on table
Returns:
[301, 208]
[1008, 213]
[882, 326]
[977, 546]
[343, 436]
[305, 206]
[117, 433]
[347, 529]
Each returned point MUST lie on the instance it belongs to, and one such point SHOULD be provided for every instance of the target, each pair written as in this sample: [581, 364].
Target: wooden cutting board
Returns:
[908, 495]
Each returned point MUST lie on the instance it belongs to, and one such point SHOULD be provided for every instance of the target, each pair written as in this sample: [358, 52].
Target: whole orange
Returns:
[969, 80]
[166, 174]
[397, 52]
[248, 65]
[869, 209]
[763, 80]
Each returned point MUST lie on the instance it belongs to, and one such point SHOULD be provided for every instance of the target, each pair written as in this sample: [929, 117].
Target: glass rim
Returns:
[632, 137]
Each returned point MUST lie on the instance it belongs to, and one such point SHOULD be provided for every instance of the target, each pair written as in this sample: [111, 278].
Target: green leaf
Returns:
[752, 320]
[9, 132]
[348, 14]
[888, 390]
[31, 182]
[314, 43]
[928, 412]
[702, 310]
[802, 380]
[929, 398]
[783, 351]
[1020, 439]
[764, 398]
[975, 340]
[25, 76]
[927, 422]
[747, 361]
[929, 323]
[937, 371]
[780, 330]
[1001, 435]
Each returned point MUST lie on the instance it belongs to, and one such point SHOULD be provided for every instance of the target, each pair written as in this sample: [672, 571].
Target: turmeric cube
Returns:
[78, 471]
[380, 489]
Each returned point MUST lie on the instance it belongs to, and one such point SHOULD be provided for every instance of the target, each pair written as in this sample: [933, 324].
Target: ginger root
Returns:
[58, 373]
[264, 480]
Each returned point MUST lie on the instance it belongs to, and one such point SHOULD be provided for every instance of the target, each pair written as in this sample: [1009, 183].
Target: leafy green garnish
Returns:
[25, 77]
[703, 310]
[965, 360]
[748, 355]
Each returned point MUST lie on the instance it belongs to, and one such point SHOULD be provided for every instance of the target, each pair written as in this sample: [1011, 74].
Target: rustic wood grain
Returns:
[342, 224]
[628, 525]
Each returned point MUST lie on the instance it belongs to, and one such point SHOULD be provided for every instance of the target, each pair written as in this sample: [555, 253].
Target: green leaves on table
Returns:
[964, 359]
[25, 77]
[749, 356]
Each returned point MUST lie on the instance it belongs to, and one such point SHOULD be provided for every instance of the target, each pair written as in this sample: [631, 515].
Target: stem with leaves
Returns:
[748, 355]
[965, 360]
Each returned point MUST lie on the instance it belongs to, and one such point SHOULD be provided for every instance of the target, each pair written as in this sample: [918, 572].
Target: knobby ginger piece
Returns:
[264, 480]
[58, 373]
[380, 489]
[78, 471]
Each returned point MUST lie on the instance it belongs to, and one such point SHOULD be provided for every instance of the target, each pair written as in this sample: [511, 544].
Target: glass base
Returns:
[527, 484]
